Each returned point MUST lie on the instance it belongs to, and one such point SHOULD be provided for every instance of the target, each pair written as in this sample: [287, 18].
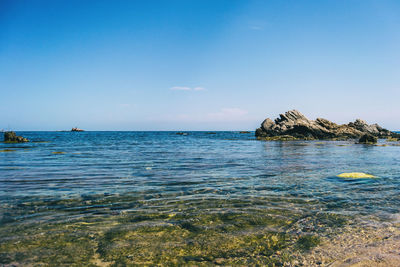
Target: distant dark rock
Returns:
[11, 137]
[244, 132]
[293, 126]
[368, 139]
[75, 129]
[181, 133]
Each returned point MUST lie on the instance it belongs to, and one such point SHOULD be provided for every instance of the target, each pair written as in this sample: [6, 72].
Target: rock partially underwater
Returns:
[12, 137]
[355, 175]
[368, 139]
[182, 133]
[293, 125]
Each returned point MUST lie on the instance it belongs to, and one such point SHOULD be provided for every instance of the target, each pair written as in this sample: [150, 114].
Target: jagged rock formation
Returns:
[294, 125]
[11, 137]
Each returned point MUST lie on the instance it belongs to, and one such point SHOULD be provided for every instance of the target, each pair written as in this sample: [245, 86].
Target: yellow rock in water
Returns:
[355, 175]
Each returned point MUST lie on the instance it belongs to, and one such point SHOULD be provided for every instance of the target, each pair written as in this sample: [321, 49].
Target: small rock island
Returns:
[295, 126]
[75, 129]
[12, 137]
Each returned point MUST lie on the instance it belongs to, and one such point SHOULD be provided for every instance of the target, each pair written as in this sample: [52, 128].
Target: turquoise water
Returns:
[219, 198]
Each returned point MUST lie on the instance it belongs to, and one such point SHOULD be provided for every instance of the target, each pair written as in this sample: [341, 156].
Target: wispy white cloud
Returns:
[181, 88]
[186, 88]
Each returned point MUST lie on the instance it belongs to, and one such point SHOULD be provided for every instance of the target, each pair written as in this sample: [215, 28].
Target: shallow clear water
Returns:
[149, 188]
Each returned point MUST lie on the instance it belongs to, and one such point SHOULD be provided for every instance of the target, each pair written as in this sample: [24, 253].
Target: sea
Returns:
[119, 198]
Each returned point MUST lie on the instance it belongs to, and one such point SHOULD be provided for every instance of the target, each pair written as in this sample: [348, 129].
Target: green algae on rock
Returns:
[308, 241]
[191, 232]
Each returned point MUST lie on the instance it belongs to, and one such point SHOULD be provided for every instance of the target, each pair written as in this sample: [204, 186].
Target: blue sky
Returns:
[196, 65]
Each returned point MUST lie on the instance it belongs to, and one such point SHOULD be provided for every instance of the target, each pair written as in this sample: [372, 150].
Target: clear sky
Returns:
[196, 65]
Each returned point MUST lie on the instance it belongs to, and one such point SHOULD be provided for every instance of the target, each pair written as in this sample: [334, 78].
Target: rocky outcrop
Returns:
[293, 125]
[11, 137]
[76, 130]
[368, 139]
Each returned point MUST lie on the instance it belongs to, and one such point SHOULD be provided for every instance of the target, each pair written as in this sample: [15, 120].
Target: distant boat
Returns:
[75, 129]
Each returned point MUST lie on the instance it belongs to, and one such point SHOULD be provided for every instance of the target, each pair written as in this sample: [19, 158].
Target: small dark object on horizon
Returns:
[75, 129]
[368, 139]
[181, 133]
[11, 137]
[244, 132]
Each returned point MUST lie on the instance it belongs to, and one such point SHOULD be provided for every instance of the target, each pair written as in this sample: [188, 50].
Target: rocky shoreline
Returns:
[295, 126]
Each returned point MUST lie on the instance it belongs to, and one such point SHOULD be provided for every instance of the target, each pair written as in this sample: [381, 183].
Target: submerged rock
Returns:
[368, 139]
[12, 137]
[7, 150]
[354, 175]
[293, 125]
